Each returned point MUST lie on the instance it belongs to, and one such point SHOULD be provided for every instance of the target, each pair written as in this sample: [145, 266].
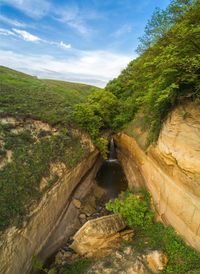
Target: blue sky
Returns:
[88, 41]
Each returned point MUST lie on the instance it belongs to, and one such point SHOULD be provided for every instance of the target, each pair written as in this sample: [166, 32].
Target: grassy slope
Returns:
[162, 77]
[26, 96]
[23, 96]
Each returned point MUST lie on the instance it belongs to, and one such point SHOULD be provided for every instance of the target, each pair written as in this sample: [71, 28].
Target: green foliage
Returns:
[182, 258]
[166, 72]
[162, 21]
[151, 235]
[78, 267]
[19, 180]
[102, 144]
[23, 96]
[38, 265]
[52, 101]
[134, 208]
[96, 115]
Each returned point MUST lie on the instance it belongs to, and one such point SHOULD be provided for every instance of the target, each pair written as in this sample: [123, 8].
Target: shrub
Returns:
[134, 208]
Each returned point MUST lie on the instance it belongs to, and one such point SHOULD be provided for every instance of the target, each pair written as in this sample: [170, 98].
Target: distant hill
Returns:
[23, 95]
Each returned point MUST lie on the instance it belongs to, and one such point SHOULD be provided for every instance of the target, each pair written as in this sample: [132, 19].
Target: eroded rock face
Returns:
[97, 235]
[123, 261]
[170, 170]
[48, 226]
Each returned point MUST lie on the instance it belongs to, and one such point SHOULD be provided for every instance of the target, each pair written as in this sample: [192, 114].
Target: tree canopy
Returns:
[166, 72]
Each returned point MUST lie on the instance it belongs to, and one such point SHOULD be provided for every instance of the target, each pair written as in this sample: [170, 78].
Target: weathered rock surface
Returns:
[48, 224]
[156, 261]
[125, 261]
[98, 235]
[170, 170]
[128, 261]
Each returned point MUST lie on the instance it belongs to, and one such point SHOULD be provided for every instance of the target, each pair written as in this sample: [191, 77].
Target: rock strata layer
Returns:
[48, 225]
[170, 170]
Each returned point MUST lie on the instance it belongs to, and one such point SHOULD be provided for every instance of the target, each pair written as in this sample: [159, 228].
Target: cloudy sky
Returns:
[88, 41]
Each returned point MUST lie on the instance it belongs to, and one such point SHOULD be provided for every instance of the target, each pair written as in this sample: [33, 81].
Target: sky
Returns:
[86, 41]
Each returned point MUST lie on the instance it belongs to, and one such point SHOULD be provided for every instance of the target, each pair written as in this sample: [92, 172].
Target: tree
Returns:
[161, 22]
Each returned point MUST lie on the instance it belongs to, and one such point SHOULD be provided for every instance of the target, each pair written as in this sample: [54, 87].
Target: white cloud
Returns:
[6, 32]
[62, 45]
[27, 36]
[32, 8]
[70, 14]
[91, 67]
[10, 21]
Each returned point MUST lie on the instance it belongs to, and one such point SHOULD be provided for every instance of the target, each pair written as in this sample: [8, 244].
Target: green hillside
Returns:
[23, 95]
[165, 74]
[35, 130]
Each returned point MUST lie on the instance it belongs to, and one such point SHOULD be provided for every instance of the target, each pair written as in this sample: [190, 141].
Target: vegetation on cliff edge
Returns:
[167, 71]
[165, 74]
[152, 235]
[36, 130]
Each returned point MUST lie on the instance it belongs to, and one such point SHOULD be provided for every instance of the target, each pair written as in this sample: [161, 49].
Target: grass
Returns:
[78, 267]
[24, 97]
[155, 236]
[182, 258]
[52, 101]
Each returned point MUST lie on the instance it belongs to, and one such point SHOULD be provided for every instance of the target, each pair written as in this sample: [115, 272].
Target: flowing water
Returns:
[111, 176]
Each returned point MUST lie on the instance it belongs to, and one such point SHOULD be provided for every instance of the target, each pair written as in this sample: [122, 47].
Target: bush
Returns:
[150, 235]
[96, 115]
[134, 208]
[166, 72]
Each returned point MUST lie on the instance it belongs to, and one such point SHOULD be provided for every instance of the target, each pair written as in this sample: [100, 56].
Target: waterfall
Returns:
[112, 155]
[112, 150]
[111, 176]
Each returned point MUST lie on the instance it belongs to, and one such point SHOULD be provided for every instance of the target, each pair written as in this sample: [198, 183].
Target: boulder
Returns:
[98, 235]
[128, 250]
[82, 216]
[137, 268]
[76, 203]
[89, 209]
[156, 261]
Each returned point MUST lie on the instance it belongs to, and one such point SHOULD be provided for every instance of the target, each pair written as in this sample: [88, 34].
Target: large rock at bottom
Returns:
[97, 235]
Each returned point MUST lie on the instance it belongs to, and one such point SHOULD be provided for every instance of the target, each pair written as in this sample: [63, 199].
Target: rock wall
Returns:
[50, 223]
[170, 170]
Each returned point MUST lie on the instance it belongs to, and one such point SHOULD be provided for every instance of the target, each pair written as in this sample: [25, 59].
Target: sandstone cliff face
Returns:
[51, 221]
[170, 170]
